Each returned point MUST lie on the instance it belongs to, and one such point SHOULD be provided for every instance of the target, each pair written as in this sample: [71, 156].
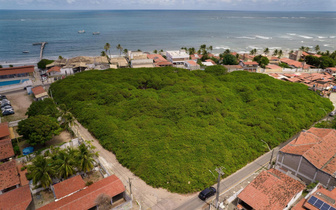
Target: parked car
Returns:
[3, 97]
[206, 193]
[5, 104]
[6, 107]
[8, 112]
[333, 113]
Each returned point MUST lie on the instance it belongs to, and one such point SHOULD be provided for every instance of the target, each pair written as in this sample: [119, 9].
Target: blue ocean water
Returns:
[149, 30]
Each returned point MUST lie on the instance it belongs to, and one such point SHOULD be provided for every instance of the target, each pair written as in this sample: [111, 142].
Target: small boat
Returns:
[25, 51]
[81, 32]
[95, 33]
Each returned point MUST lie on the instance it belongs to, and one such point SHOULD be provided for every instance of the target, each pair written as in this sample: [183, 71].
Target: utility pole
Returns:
[220, 173]
[269, 148]
[130, 186]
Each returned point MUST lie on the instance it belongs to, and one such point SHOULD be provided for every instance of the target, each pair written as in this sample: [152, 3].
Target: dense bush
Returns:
[43, 63]
[170, 126]
[44, 107]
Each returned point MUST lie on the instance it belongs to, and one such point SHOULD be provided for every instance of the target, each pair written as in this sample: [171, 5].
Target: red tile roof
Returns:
[250, 63]
[54, 68]
[318, 146]
[38, 90]
[4, 130]
[8, 175]
[23, 179]
[6, 149]
[233, 66]
[16, 70]
[271, 190]
[164, 63]
[333, 69]
[156, 58]
[294, 63]
[211, 61]
[321, 193]
[69, 186]
[85, 199]
[272, 66]
[192, 63]
[17, 199]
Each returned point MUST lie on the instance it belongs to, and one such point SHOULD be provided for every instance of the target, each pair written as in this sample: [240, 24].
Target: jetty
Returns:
[42, 47]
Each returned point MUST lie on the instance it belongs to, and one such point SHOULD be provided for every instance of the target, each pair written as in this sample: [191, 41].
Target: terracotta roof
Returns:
[271, 66]
[213, 62]
[23, 179]
[164, 63]
[318, 146]
[333, 69]
[293, 79]
[321, 193]
[294, 63]
[55, 68]
[156, 57]
[271, 189]
[17, 199]
[8, 175]
[85, 198]
[192, 63]
[233, 66]
[4, 130]
[250, 63]
[69, 186]
[38, 90]
[6, 149]
[16, 70]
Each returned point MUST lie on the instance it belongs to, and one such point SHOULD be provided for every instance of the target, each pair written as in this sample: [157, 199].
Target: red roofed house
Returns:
[311, 156]
[4, 131]
[14, 72]
[18, 199]
[6, 149]
[319, 196]
[273, 68]
[295, 64]
[191, 65]
[39, 93]
[85, 198]
[55, 70]
[250, 66]
[271, 190]
[68, 186]
[231, 68]
[9, 178]
[331, 70]
[159, 61]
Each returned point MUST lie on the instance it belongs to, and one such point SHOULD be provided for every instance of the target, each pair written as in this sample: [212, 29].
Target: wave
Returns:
[305, 37]
[326, 45]
[263, 37]
[332, 37]
[291, 34]
[254, 47]
[245, 37]
[222, 47]
[274, 48]
[322, 37]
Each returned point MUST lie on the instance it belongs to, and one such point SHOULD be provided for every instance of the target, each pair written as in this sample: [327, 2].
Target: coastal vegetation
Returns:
[43, 63]
[170, 126]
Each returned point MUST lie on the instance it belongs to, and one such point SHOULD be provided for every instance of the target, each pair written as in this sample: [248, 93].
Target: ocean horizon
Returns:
[149, 30]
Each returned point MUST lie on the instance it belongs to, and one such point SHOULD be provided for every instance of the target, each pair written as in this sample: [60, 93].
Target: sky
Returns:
[250, 5]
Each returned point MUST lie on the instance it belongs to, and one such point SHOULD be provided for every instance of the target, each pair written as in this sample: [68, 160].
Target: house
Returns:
[85, 198]
[17, 199]
[191, 65]
[331, 70]
[250, 66]
[16, 72]
[206, 63]
[9, 176]
[60, 63]
[311, 156]
[270, 190]
[121, 62]
[274, 60]
[39, 93]
[196, 57]
[318, 198]
[136, 55]
[159, 60]
[231, 68]
[54, 71]
[295, 64]
[142, 63]
[6, 150]
[273, 68]
[177, 58]
[4, 131]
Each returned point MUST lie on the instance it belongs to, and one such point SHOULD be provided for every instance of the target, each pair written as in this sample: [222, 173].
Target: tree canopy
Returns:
[38, 129]
[229, 59]
[261, 60]
[44, 107]
[43, 63]
[170, 126]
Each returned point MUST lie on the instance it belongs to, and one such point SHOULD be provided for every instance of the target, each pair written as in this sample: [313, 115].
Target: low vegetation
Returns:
[171, 126]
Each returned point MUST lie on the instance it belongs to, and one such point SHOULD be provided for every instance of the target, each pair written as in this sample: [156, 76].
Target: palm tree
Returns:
[107, 48]
[155, 51]
[227, 51]
[85, 158]
[275, 52]
[253, 52]
[290, 52]
[119, 47]
[125, 51]
[64, 164]
[210, 48]
[41, 171]
[266, 51]
[280, 53]
[102, 53]
[191, 51]
[202, 48]
[302, 48]
[307, 49]
[317, 48]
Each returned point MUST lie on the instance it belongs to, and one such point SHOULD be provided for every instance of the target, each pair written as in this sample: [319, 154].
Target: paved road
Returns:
[234, 179]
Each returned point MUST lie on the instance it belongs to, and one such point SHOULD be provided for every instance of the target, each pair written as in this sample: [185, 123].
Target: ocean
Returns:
[148, 30]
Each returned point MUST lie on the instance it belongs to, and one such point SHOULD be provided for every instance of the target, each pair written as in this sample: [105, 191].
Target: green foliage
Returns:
[43, 63]
[41, 171]
[284, 65]
[322, 62]
[261, 60]
[38, 129]
[229, 59]
[169, 126]
[216, 70]
[16, 147]
[44, 107]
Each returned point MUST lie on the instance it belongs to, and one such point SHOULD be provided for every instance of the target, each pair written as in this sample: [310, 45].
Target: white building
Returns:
[177, 57]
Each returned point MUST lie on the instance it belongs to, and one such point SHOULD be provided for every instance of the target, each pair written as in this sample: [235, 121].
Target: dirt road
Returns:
[147, 196]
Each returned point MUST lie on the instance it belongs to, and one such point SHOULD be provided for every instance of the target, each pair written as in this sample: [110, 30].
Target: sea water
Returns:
[155, 30]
